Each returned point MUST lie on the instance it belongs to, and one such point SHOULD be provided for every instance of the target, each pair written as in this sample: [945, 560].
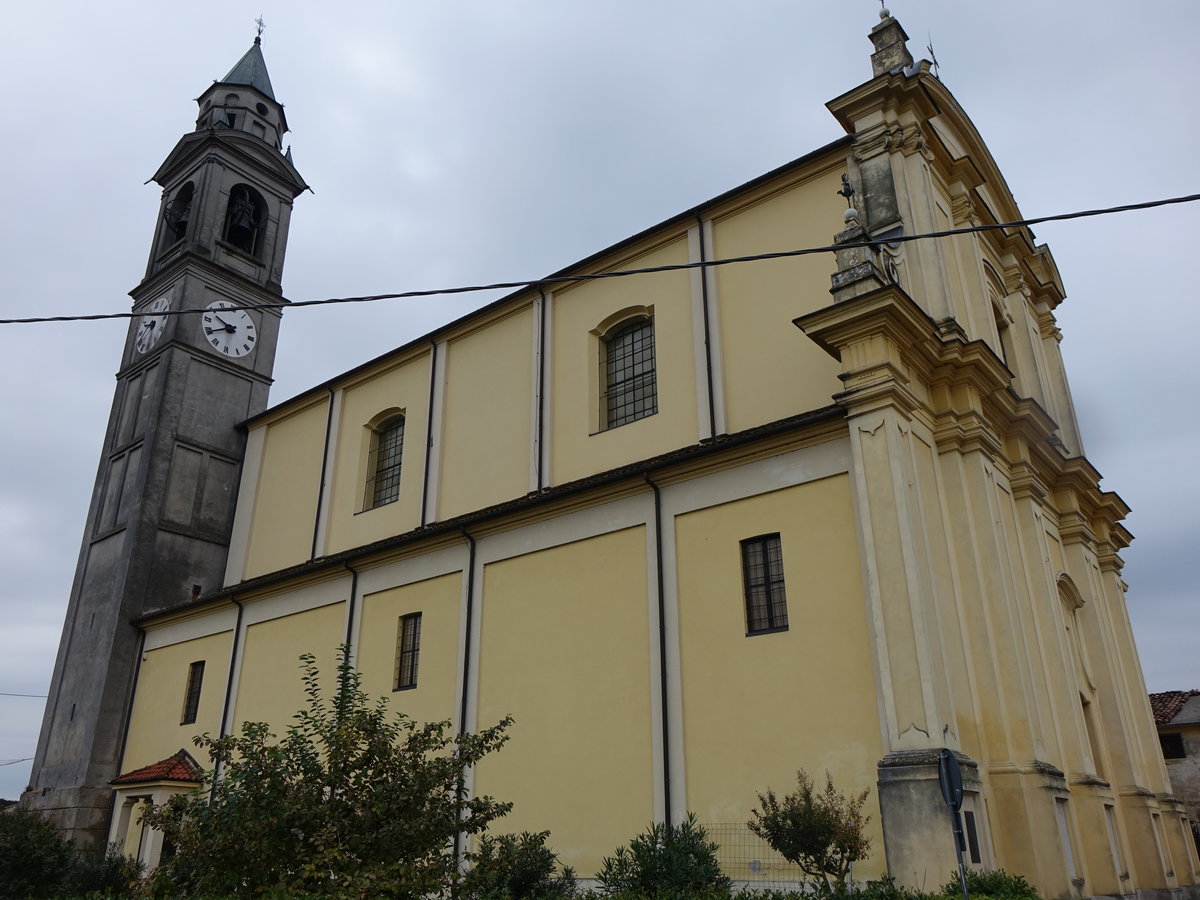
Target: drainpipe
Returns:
[237, 634]
[324, 476]
[466, 674]
[662, 651]
[352, 602]
[428, 432]
[708, 360]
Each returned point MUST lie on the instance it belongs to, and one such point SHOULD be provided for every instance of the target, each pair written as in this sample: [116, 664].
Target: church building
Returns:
[694, 527]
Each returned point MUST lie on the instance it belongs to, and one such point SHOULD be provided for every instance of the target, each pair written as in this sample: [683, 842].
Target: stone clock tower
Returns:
[197, 362]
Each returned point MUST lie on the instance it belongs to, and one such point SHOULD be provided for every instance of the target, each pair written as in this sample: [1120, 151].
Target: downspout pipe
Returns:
[352, 602]
[466, 675]
[237, 635]
[665, 723]
[324, 476]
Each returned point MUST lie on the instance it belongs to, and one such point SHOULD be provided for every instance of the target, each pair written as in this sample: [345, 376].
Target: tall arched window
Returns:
[245, 219]
[628, 373]
[177, 212]
[383, 463]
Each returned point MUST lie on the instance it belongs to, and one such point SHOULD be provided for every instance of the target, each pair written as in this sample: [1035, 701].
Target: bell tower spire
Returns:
[196, 363]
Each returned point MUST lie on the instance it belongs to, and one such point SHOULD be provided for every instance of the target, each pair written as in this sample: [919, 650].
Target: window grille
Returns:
[191, 695]
[631, 388]
[383, 463]
[762, 576]
[408, 651]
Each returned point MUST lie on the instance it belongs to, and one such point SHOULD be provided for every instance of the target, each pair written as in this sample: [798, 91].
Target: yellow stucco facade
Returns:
[697, 529]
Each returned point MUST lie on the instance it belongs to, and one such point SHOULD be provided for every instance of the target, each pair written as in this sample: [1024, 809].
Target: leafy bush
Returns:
[354, 801]
[665, 859]
[517, 867]
[822, 833]
[995, 883]
[36, 862]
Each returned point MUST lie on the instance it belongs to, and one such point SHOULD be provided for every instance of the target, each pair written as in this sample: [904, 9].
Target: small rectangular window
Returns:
[762, 577]
[191, 696]
[1172, 746]
[972, 836]
[408, 651]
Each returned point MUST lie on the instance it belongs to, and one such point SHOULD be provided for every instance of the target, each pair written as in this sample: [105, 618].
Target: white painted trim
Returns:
[312, 596]
[548, 392]
[243, 516]
[433, 452]
[716, 354]
[699, 344]
[409, 571]
[190, 629]
[535, 397]
[331, 442]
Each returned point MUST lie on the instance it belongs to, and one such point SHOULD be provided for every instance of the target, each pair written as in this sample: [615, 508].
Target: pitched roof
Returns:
[251, 70]
[180, 767]
[1167, 704]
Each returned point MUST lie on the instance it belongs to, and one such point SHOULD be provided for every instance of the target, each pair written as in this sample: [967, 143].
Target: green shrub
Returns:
[995, 883]
[36, 862]
[665, 859]
[515, 867]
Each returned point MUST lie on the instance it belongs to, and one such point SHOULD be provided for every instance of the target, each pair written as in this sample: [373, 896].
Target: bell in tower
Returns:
[196, 363]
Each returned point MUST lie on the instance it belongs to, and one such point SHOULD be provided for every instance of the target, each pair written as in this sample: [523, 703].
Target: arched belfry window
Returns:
[627, 370]
[245, 219]
[177, 212]
[383, 462]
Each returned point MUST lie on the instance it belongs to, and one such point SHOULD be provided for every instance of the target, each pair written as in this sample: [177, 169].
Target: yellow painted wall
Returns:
[487, 415]
[802, 698]
[577, 450]
[154, 729]
[439, 601]
[285, 502]
[565, 651]
[771, 369]
[269, 687]
[404, 387]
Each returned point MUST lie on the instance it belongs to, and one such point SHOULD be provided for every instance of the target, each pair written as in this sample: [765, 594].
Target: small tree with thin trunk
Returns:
[354, 801]
[821, 832]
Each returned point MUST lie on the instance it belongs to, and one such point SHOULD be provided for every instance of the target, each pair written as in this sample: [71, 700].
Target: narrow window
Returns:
[630, 385]
[972, 836]
[408, 651]
[245, 217]
[383, 463]
[191, 697]
[762, 575]
[177, 213]
[1172, 746]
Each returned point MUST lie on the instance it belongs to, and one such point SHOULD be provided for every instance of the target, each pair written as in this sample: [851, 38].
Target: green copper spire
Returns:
[251, 70]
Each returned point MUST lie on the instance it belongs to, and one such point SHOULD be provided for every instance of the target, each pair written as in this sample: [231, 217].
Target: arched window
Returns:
[383, 463]
[245, 219]
[177, 212]
[628, 373]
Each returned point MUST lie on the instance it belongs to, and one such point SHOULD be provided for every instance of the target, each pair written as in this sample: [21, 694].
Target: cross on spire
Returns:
[261, 26]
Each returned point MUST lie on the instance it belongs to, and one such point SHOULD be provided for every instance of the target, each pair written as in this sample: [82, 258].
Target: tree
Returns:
[822, 832]
[354, 801]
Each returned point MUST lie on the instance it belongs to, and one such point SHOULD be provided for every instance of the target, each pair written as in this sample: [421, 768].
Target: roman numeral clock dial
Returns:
[229, 330]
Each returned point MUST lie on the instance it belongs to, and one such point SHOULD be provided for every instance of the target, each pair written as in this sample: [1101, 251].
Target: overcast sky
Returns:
[465, 141]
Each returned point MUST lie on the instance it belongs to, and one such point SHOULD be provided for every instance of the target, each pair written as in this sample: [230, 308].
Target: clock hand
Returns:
[230, 328]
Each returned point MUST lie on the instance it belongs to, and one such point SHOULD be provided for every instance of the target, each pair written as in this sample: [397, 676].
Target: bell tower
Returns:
[197, 362]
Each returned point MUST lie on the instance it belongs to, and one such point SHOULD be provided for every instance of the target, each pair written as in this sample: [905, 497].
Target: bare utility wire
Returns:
[624, 273]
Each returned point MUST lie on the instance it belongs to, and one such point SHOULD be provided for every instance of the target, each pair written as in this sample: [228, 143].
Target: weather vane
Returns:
[262, 25]
[847, 192]
[932, 55]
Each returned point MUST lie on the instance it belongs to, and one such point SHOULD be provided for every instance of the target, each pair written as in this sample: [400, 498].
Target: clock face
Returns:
[230, 331]
[152, 324]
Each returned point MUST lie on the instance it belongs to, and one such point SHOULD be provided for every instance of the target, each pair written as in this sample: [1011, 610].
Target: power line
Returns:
[13, 762]
[624, 273]
[7, 694]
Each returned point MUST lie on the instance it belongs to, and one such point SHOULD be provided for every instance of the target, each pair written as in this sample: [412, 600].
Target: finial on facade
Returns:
[891, 47]
[262, 26]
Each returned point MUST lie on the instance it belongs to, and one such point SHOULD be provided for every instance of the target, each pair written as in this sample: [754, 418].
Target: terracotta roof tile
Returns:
[180, 767]
[1167, 704]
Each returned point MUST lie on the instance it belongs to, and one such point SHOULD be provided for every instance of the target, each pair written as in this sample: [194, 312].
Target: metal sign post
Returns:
[950, 780]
